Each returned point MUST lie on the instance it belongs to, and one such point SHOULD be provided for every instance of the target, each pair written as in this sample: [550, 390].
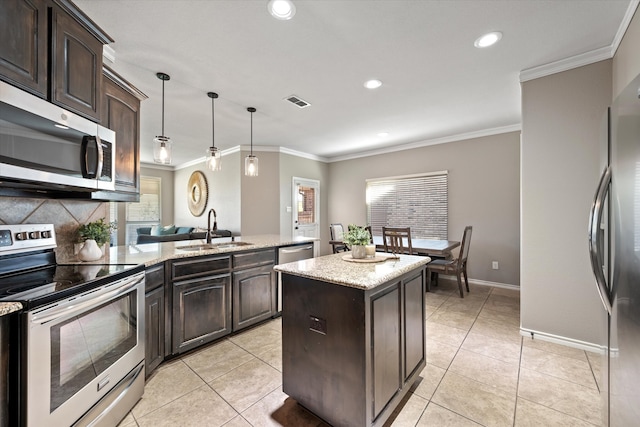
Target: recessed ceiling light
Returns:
[383, 134]
[281, 9]
[372, 84]
[488, 39]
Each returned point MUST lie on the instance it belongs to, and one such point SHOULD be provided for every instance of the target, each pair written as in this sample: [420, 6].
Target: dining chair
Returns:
[336, 242]
[394, 238]
[457, 266]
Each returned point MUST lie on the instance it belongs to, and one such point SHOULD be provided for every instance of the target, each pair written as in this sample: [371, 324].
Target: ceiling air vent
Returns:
[300, 103]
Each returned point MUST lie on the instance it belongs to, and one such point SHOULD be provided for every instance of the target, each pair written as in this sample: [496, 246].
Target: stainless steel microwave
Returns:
[43, 146]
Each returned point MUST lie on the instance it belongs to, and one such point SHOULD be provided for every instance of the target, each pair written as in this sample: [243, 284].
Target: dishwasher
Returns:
[287, 254]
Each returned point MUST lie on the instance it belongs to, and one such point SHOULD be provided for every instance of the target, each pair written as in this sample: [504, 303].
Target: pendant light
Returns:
[251, 161]
[213, 160]
[162, 144]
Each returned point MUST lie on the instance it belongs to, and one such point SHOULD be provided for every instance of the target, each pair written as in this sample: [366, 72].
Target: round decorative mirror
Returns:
[197, 193]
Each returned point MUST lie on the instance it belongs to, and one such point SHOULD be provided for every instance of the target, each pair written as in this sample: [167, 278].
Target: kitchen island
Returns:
[353, 335]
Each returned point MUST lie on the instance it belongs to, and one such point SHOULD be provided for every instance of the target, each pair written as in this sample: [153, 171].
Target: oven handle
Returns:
[70, 307]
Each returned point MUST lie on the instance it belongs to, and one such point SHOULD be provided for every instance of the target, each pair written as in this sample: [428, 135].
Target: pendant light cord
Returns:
[251, 133]
[213, 125]
[162, 107]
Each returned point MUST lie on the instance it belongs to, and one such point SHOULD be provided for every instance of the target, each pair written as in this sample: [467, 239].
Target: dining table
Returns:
[429, 247]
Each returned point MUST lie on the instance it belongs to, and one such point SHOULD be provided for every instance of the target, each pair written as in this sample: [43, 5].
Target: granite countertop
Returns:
[334, 269]
[153, 253]
[9, 307]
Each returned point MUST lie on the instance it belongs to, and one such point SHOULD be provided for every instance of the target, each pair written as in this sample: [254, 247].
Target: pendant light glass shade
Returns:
[213, 160]
[162, 144]
[251, 165]
[251, 161]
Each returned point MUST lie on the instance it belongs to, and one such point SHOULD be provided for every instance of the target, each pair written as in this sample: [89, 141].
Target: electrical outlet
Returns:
[494, 265]
[317, 324]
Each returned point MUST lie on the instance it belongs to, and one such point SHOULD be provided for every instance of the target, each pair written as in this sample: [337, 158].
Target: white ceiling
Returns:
[437, 85]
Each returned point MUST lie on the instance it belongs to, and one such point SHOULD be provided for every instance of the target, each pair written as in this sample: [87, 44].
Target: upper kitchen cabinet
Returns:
[52, 49]
[121, 114]
[76, 60]
[23, 44]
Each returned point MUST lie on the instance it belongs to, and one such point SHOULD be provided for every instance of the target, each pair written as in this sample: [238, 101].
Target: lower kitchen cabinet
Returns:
[201, 311]
[154, 317]
[154, 329]
[254, 296]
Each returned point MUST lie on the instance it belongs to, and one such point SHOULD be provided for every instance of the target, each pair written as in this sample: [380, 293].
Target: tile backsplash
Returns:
[65, 215]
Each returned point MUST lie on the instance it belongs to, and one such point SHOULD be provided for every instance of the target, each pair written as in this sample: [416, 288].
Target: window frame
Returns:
[404, 206]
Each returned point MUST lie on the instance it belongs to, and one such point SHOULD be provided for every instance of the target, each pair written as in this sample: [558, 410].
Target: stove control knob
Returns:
[21, 236]
[45, 234]
[34, 235]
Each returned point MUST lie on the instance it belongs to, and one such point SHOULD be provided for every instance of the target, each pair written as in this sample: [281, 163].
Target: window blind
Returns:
[416, 201]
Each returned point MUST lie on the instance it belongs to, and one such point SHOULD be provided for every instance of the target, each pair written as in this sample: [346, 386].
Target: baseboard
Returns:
[484, 283]
[556, 339]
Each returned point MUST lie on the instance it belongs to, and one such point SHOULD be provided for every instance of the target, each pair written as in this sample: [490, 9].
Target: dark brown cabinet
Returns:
[121, 114]
[76, 66]
[52, 49]
[253, 296]
[154, 317]
[201, 301]
[23, 44]
[254, 288]
[351, 355]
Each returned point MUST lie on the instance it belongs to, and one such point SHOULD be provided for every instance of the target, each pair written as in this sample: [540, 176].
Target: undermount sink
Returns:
[207, 246]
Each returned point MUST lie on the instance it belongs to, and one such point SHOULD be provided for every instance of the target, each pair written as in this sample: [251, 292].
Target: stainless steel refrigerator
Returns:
[614, 244]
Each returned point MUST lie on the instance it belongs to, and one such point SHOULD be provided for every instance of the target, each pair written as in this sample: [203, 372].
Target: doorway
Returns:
[305, 202]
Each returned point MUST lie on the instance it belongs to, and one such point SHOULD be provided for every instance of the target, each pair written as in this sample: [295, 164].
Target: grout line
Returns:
[515, 408]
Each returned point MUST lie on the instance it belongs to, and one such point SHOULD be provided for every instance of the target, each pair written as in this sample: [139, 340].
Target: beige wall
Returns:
[224, 195]
[562, 121]
[293, 166]
[483, 192]
[260, 196]
[626, 62]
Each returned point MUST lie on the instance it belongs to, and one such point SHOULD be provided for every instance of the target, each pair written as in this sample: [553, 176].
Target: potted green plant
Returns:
[357, 238]
[94, 235]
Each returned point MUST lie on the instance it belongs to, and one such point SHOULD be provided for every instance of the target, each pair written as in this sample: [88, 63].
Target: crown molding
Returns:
[628, 16]
[157, 166]
[453, 138]
[591, 57]
[566, 64]
[291, 152]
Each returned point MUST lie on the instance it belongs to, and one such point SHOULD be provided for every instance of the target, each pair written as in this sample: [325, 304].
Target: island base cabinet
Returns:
[201, 311]
[350, 355]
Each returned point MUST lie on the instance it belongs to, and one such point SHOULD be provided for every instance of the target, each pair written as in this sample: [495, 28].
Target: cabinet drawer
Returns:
[200, 266]
[253, 259]
[154, 277]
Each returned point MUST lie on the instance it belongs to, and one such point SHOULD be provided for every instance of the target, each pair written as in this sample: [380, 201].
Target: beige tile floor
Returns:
[479, 371]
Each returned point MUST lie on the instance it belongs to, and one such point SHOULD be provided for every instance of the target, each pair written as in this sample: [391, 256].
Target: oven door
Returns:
[78, 349]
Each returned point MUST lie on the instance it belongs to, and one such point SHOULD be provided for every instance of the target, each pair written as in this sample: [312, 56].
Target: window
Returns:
[146, 212]
[306, 205]
[416, 201]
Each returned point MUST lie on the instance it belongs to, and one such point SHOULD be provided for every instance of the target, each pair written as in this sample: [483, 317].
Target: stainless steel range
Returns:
[81, 336]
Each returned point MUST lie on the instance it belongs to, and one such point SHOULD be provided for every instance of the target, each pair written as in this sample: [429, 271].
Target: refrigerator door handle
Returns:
[595, 218]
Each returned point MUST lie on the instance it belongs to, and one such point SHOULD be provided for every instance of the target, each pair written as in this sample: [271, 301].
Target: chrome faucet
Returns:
[211, 231]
